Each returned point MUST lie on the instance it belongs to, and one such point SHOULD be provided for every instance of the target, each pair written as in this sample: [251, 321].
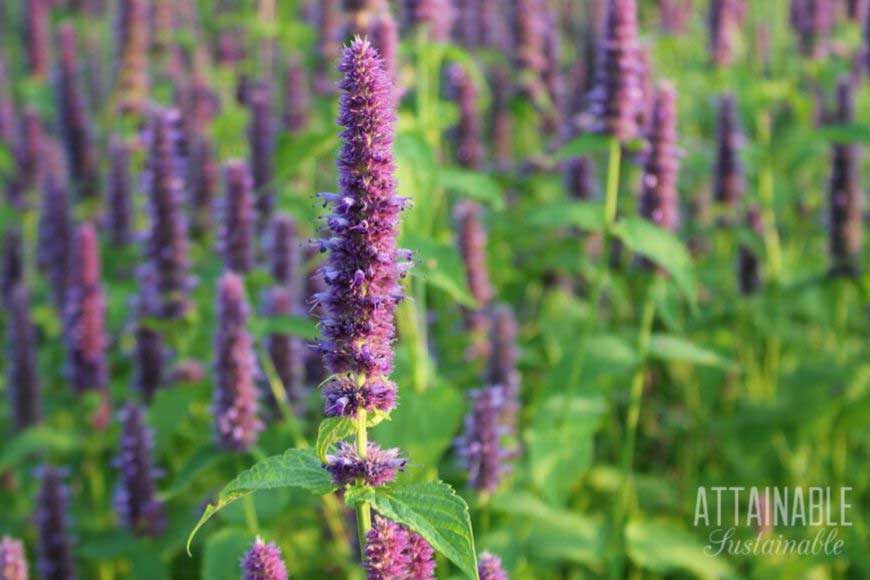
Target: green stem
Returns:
[363, 509]
[612, 193]
[251, 514]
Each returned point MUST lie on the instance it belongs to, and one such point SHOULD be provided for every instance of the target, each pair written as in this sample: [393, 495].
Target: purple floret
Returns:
[263, 562]
[379, 466]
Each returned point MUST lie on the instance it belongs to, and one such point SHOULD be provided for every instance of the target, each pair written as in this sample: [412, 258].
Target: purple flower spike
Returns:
[74, 123]
[329, 32]
[658, 197]
[36, 36]
[237, 231]
[84, 314]
[845, 211]
[489, 567]
[422, 558]
[748, 264]
[8, 122]
[812, 20]
[286, 352]
[378, 468]
[297, 98]
[469, 145]
[135, 497]
[261, 139]
[22, 377]
[149, 358]
[55, 227]
[503, 362]
[674, 15]
[467, 28]
[580, 177]
[11, 264]
[13, 560]
[614, 99]
[472, 247]
[263, 562]
[433, 16]
[500, 128]
[28, 156]
[530, 46]
[728, 181]
[283, 248]
[386, 553]
[384, 34]
[166, 270]
[204, 175]
[131, 55]
[55, 560]
[494, 26]
[120, 199]
[235, 396]
[722, 22]
[363, 269]
[482, 448]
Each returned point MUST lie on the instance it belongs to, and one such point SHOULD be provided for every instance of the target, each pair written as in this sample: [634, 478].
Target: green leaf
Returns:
[439, 264]
[557, 534]
[291, 150]
[223, 552]
[583, 145]
[426, 424]
[37, 439]
[675, 348]
[431, 509]
[332, 430]
[660, 246]
[300, 326]
[587, 215]
[663, 548]
[846, 133]
[473, 185]
[295, 468]
[556, 466]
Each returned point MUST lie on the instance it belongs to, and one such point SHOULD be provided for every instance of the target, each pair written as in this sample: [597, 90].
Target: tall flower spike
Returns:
[494, 26]
[55, 561]
[530, 39]
[235, 396]
[286, 352]
[131, 55]
[467, 28]
[503, 362]
[722, 27]
[135, 497]
[728, 182]
[489, 567]
[204, 176]
[433, 16]
[363, 268]
[748, 264]
[845, 211]
[658, 197]
[13, 561]
[482, 448]
[500, 121]
[329, 30]
[167, 269]
[283, 247]
[11, 264]
[73, 120]
[614, 98]
[297, 98]
[812, 20]
[386, 552]
[580, 178]
[28, 155]
[36, 36]
[149, 361]
[261, 138]
[263, 562]
[237, 228]
[8, 122]
[469, 145]
[472, 247]
[55, 227]
[84, 326]
[119, 215]
[22, 377]
[378, 468]
[674, 15]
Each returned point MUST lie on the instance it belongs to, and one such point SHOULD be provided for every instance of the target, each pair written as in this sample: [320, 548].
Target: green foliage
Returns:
[431, 509]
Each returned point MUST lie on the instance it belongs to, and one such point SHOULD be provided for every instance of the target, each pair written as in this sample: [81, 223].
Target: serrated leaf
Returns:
[675, 348]
[332, 430]
[431, 509]
[37, 439]
[300, 326]
[660, 246]
[295, 468]
[583, 145]
[587, 215]
[663, 548]
[473, 185]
